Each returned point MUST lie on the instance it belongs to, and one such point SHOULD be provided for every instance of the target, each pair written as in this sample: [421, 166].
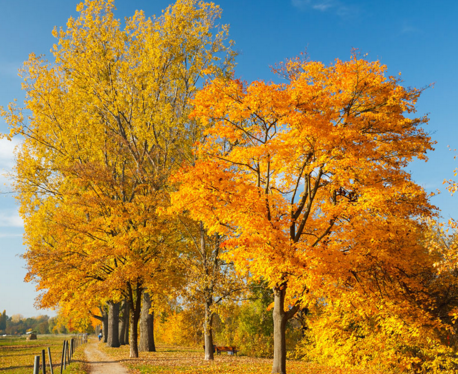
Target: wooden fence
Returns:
[68, 348]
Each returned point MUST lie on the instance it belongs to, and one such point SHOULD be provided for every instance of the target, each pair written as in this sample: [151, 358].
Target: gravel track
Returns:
[100, 363]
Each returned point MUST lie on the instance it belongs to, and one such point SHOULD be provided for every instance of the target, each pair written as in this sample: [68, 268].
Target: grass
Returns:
[78, 365]
[170, 359]
[17, 354]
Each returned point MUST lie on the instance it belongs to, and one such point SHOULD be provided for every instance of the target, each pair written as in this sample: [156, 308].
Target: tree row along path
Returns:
[100, 363]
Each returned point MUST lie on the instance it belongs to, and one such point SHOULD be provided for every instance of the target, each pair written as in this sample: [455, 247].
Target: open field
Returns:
[17, 354]
[170, 359]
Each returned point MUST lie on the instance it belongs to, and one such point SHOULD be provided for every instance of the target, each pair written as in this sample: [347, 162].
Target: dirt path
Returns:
[100, 363]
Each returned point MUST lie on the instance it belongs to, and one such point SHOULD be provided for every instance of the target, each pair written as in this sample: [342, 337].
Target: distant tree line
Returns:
[17, 324]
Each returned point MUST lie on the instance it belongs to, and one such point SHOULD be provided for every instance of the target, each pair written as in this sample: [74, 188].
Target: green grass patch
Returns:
[17, 354]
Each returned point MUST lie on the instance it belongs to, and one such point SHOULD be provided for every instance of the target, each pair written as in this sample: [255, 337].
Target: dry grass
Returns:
[17, 354]
[170, 359]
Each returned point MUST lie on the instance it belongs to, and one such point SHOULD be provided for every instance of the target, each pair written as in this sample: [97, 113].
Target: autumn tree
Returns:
[297, 174]
[210, 280]
[178, 324]
[106, 122]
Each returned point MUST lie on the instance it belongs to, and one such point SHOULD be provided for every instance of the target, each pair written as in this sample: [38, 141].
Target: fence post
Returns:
[36, 365]
[64, 357]
[67, 350]
[50, 361]
[43, 361]
[72, 347]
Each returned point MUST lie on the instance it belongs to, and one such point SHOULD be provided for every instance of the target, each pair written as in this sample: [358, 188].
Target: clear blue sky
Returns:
[418, 38]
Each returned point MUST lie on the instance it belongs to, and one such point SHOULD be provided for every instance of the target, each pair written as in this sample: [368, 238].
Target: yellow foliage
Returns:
[344, 338]
[106, 125]
[180, 328]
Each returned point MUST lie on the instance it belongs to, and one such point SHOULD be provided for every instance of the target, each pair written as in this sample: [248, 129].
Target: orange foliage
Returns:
[307, 181]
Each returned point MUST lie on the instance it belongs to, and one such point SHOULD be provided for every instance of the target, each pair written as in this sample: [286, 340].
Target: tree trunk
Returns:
[127, 322]
[113, 325]
[105, 324]
[146, 326]
[135, 307]
[280, 318]
[208, 332]
[122, 331]
[122, 323]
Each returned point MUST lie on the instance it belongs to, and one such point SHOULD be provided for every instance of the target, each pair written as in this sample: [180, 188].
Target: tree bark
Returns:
[280, 318]
[135, 307]
[105, 327]
[127, 322]
[122, 331]
[113, 325]
[122, 323]
[146, 326]
[208, 332]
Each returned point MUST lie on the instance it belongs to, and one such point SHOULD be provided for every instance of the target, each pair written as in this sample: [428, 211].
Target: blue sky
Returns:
[418, 38]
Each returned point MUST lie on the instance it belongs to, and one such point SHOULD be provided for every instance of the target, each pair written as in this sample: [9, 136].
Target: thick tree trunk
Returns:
[146, 326]
[280, 319]
[113, 325]
[208, 332]
[122, 324]
[135, 307]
